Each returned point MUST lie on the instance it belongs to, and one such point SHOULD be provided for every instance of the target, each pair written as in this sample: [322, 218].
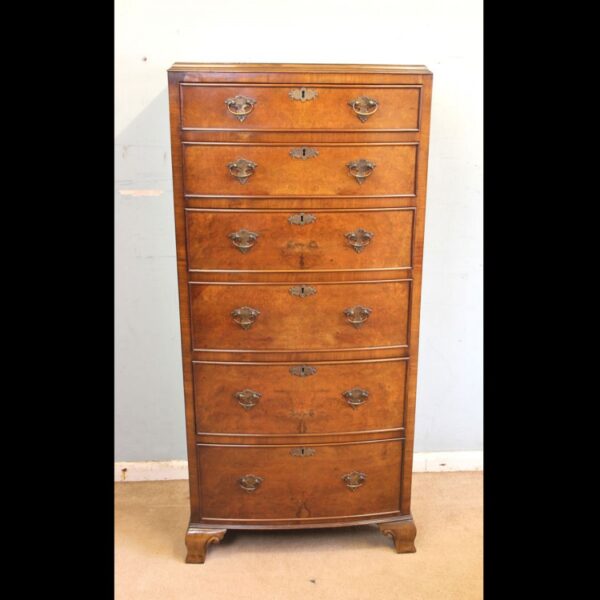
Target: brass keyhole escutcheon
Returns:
[301, 219]
[302, 370]
[303, 451]
[302, 291]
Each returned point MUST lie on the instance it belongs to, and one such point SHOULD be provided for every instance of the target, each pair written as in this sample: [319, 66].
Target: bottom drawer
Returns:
[292, 482]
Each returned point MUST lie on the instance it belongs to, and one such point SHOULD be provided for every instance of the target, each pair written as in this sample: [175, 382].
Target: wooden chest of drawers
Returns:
[299, 197]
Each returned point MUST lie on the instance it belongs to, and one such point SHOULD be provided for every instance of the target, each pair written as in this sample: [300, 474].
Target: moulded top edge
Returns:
[298, 67]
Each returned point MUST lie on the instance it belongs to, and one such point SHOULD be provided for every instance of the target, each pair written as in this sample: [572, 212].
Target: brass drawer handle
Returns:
[354, 480]
[364, 107]
[245, 316]
[356, 396]
[361, 169]
[302, 371]
[301, 219]
[240, 106]
[357, 315]
[359, 239]
[302, 291]
[303, 94]
[250, 483]
[242, 169]
[243, 239]
[303, 451]
[248, 398]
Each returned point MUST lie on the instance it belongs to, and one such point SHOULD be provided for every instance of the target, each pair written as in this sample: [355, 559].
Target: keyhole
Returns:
[302, 218]
[303, 370]
[302, 289]
[303, 93]
[303, 151]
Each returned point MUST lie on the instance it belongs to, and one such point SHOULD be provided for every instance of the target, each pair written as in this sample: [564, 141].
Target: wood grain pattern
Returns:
[289, 404]
[403, 533]
[415, 304]
[186, 346]
[281, 245]
[223, 438]
[198, 539]
[290, 323]
[299, 487]
[278, 174]
[203, 107]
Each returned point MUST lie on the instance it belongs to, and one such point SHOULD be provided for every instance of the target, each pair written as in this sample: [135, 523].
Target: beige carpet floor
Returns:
[350, 563]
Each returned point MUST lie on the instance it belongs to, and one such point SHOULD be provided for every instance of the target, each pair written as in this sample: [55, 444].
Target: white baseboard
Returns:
[424, 462]
[151, 470]
[435, 462]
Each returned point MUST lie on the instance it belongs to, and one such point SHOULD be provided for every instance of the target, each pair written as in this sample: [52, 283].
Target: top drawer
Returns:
[298, 108]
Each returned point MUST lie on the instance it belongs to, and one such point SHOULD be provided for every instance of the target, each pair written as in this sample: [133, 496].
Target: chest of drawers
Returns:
[299, 195]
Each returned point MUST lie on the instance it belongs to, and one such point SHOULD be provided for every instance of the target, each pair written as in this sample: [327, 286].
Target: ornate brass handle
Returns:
[248, 398]
[356, 396]
[364, 107]
[361, 169]
[359, 239]
[243, 239]
[242, 169]
[240, 106]
[245, 316]
[354, 480]
[357, 315]
[250, 483]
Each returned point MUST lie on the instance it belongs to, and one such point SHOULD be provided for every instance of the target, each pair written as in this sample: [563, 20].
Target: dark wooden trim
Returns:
[303, 350]
[324, 522]
[299, 435]
[320, 362]
[291, 445]
[194, 67]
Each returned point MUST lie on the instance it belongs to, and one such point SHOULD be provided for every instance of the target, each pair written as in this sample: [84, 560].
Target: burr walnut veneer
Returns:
[299, 208]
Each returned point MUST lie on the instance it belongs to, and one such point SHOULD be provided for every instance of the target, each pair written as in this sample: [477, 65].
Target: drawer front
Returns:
[295, 240]
[330, 316]
[302, 486]
[226, 169]
[268, 399]
[271, 108]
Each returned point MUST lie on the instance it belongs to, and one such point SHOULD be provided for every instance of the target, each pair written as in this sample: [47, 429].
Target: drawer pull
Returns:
[302, 371]
[250, 483]
[248, 398]
[303, 451]
[354, 480]
[240, 106]
[356, 396]
[303, 94]
[364, 107]
[361, 169]
[242, 169]
[302, 291]
[301, 219]
[243, 239]
[357, 315]
[359, 239]
[245, 316]
[304, 153]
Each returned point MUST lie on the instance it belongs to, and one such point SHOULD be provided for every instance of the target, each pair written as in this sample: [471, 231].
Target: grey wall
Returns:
[149, 37]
